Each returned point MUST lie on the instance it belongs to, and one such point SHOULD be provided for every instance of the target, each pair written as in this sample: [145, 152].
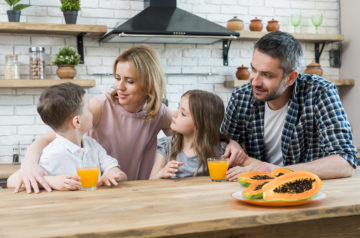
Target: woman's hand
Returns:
[236, 153]
[30, 175]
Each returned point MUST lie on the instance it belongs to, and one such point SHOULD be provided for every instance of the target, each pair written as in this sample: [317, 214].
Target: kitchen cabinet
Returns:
[22, 83]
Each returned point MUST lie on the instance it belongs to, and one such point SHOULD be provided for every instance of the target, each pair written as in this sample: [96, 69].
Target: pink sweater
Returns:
[127, 137]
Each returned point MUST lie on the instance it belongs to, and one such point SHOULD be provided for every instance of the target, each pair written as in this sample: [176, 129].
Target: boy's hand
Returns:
[170, 169]
[111, 177]
[64, 182]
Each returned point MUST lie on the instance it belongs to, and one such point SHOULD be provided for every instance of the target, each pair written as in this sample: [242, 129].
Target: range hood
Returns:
[162, 22]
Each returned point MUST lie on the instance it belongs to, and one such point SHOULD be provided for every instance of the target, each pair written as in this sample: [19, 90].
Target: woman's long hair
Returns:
[149, 73]
[207, 111]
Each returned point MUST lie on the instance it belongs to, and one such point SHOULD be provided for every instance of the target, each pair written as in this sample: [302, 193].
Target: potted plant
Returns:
[70, 10]
[66, 59]
[15, 12]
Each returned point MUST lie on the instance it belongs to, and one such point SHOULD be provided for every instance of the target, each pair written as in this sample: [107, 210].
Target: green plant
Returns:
[14, 6]
[67, 56]
[70, 5]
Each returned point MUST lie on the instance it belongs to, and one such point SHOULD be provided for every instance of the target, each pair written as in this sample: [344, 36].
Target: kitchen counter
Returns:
[7, 169]
[191, 207]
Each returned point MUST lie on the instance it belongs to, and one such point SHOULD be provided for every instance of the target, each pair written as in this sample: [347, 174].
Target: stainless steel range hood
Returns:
[162, 22]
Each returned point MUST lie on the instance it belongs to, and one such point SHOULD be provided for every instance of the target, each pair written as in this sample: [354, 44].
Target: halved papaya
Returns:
[295, 186]
[255, 190]
[280, 171]
[248, 178]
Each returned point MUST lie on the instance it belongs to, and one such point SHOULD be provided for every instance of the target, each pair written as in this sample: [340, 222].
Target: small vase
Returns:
[66, 71]
[314, 68]
[272, 25]
[242, 73]
[256, 25]
[70, 17]
[13, 15]
[235, 24]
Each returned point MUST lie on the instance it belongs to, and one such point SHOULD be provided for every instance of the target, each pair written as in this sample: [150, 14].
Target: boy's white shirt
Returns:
[62, 156]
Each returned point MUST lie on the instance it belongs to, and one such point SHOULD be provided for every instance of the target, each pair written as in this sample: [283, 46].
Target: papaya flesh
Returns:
[295, 186]
[255, 190]
[280, 171]
[248, 178]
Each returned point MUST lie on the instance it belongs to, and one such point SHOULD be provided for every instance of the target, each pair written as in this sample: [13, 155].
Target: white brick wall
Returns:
[187, 66]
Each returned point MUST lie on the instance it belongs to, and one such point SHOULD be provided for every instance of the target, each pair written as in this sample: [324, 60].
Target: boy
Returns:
[65, 108]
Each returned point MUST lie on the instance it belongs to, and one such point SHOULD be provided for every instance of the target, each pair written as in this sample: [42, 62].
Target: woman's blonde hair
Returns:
[148, 72]
[207, 111]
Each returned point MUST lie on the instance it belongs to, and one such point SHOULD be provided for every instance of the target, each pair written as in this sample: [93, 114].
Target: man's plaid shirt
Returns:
[315, 126]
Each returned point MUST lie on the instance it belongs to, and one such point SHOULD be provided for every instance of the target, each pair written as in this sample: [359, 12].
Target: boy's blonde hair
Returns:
[148, 71]
[207, 111]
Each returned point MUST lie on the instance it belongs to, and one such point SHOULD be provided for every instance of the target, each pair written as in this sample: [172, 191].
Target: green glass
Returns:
[295, 20]
[316, 21]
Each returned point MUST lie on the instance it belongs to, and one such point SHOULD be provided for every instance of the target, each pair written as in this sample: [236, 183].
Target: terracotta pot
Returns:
[314, 68]
[272, 25]
[242, 73]
[256, 25]
[66, 71]
[235, 24]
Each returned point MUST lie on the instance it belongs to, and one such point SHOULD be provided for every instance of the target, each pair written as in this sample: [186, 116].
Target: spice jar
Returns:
[242, 73]
[273, 25]
[313, 68]
[11, 67]
[37, 62]
[256, 24]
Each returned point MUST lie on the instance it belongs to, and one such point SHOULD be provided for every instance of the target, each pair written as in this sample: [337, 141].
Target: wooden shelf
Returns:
[26, 83]
[251, 35]
[56, 29]
[337, 82]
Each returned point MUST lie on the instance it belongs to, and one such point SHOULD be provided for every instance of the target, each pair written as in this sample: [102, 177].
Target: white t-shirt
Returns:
[62, 156]
[273, 127]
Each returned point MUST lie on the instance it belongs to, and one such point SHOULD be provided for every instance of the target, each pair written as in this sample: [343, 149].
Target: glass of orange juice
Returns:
[217, 168]
[89, 174]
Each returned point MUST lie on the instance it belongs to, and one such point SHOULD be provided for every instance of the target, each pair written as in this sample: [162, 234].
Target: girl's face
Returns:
[182, 121]
[127, 87]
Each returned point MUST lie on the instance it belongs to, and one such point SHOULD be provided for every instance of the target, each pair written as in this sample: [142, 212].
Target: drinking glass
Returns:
[316, 21]
[295, 20]
[217, 168]
[88, 172]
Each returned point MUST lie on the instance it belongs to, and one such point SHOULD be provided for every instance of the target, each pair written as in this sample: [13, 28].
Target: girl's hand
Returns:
[111, 177]
[64, 182]
[232, 173]
[170, 169]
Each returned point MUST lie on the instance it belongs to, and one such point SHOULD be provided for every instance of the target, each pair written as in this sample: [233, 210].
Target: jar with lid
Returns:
[37, 62]
[11, 67]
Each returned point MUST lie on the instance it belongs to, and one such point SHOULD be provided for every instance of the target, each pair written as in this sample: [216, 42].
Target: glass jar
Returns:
[37, 62]
[11, 67]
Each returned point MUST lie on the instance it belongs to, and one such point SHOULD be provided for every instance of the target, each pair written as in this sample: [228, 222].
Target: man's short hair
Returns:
[282, 46]
[60, 102]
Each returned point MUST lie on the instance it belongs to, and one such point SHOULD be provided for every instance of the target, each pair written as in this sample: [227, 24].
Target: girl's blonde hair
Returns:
[207, 111]
[148, 72]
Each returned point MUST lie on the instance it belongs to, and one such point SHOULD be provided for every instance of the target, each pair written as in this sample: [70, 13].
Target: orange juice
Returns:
[88, 177]
[217, 168]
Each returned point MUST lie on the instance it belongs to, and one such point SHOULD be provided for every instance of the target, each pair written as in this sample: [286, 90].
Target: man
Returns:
[286, 119]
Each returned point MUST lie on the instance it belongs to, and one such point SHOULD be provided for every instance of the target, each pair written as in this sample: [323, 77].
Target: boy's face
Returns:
[86, 117]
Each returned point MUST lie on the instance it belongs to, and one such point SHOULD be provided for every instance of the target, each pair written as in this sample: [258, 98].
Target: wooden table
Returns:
[193, 207]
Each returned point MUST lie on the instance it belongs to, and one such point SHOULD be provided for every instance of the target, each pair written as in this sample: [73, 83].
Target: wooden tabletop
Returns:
[192, 207]
[7, 169]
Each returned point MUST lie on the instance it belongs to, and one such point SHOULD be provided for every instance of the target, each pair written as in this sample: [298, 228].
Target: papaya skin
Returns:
[254, 191]
[248, 178]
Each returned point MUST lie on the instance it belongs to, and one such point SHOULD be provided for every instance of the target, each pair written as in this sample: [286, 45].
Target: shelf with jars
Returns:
[79, 31]
[26, 83]
[337, 82]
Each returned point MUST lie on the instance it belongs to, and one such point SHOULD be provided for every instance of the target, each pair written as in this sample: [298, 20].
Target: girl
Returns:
[125, 122]
[196, 125]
